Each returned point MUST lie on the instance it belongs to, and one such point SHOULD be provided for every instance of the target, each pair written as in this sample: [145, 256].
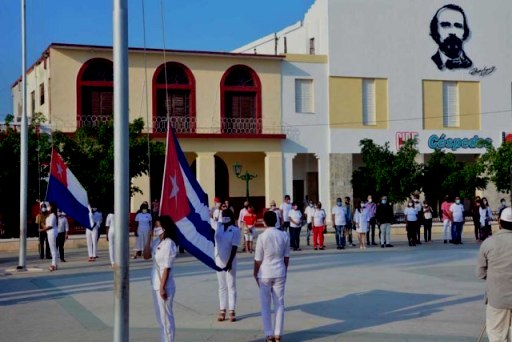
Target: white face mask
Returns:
[370, 200]
[158, 231]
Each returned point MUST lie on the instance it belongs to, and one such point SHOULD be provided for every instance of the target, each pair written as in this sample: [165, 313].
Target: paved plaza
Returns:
[426, 293]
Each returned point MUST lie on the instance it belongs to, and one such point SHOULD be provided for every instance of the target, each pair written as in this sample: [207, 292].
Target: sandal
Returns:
[222, 316]
[277, 338]
[232, 317]
[270, 339]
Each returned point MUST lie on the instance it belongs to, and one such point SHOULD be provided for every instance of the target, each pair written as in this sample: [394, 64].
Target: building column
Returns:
[143, 183]
[323, 183]
[288, 175]
[273, 177]
[340, 174]
[205, 172]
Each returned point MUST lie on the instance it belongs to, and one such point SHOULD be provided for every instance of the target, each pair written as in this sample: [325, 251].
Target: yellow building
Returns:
[225, 107]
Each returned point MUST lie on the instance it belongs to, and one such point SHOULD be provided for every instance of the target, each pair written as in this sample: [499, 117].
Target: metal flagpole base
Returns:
[22, 269]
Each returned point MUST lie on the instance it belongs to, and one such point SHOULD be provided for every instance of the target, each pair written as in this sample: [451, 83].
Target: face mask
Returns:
[311, 205]
[485, 202]
[370, 200]
[338, 204]
[363, 206]
[410, 204]
[217, 205]
[457, 201]
[44, 210]
[383, 201]
[144, 211]
[272, 207]
[158, 231]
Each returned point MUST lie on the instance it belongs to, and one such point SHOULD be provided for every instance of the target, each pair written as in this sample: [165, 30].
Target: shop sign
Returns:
[441, 142]
[402, 137]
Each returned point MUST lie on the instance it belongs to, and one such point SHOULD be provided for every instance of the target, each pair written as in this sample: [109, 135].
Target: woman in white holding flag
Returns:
[163, 251]
[51, 229]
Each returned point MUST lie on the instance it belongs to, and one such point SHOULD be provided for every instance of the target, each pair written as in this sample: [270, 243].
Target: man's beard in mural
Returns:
[451, 46]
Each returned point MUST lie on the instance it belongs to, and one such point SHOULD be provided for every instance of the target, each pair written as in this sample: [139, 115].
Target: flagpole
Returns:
[23, 147]
[121, 171]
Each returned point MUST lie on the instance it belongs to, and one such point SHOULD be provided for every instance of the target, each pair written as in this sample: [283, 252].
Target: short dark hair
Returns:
[434, 23]
[270, 218]
[228, 213]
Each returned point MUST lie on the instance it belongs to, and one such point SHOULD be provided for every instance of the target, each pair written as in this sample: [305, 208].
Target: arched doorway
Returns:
[221, 179]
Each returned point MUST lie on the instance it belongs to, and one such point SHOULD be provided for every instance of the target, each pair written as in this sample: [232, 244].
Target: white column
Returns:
[323, 183]
[273, 177]
[205, 170]
[288, 174]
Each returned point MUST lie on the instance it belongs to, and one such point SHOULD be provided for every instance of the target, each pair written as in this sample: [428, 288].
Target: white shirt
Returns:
[144, 220]
[309, 213]
[215, 217]
[224, 242]
[164, 253]
[285, 208]
[339, 215]
[109, 222]
[361, 218]
[51, 221]
[457, 211]
[295, 215]
[411, 213]
[62, 224]
[240, 217]
[319, 218]
[485, 214]
[272, 247]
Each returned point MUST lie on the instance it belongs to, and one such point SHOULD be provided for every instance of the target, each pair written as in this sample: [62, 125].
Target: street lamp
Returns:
[247, 177]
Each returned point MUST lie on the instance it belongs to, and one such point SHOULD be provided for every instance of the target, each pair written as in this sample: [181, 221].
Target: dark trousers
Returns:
[43, 240]
[340, 236]
[308, 232]
[427, 229]
[295, 237]
[418, 232]
[348, 233]
[61, 238]
[411, 227]
[457, 232]
[476, 223]
[371, 229]
[285, 226]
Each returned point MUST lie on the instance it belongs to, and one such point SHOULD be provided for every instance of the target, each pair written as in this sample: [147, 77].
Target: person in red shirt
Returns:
[249, 220]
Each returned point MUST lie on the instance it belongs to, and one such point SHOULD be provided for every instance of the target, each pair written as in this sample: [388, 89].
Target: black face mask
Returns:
[451, 46]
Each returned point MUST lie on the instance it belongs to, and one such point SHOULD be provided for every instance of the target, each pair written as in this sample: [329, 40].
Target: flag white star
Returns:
[174, 187]
[59, 169]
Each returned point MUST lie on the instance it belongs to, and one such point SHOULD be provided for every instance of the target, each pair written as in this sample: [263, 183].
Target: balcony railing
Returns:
[241, 125]
[92, 120]
[181, 124]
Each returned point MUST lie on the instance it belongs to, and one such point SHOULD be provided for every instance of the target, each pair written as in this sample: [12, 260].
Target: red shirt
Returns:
[250, 220]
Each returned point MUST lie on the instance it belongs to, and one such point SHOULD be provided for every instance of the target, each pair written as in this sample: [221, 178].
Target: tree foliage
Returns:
[499, 162]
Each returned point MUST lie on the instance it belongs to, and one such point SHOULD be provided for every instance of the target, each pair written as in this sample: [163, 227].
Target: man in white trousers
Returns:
[270, 267]
[494, 264]
[91, 234]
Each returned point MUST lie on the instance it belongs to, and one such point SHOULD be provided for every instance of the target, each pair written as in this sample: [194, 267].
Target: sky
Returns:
[212, 25]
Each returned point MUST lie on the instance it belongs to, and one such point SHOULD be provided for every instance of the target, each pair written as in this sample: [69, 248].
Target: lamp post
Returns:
[247, 177]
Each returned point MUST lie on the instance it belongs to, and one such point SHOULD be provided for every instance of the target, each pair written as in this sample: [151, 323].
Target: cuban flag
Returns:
[67, 192]
[186, 203]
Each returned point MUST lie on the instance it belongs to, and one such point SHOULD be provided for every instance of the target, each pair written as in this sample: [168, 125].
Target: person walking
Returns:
[44, 247]
[385, 218]
[62, 233]
[285, 212]
[485, 217]
[163, 252]
[427, 221]
[319, 226]
[295, 217]
[457, 219]
[371, 208]
[144, 227]
[338, 218]
[411, 223]
[494, 265]
[227, 239]
[270, 267]
[110, 236]
[50, 227]
[447, 223]
[361, 219]
[91, 234]
[348, 219]
[309, 211]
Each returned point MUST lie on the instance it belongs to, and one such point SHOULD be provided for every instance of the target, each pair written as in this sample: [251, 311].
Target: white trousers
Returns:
[498, 322]
[272, 290]
[227, 288]
[92, 241]
[164, 315]
[447, 229]
[111, 237]
[385, 233]
[52, 242]
[142, 239]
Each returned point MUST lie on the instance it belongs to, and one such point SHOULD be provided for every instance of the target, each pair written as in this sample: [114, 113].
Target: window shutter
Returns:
[304, 96]
[450, 104]
[369, 108]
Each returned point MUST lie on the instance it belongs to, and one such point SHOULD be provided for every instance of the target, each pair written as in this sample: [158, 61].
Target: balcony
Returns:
[92, 120]
[181, 124]
[241, 125]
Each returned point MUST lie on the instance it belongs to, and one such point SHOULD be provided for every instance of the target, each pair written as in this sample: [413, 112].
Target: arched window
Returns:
[240, 101]
[174, 96]
[95, 92]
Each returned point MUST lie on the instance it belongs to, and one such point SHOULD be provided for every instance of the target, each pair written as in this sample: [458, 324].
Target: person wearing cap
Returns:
[62, 229]
[227, 239]
[275, 209]
[270, 268]
[44, 247]
[285, 208]
[494, 264]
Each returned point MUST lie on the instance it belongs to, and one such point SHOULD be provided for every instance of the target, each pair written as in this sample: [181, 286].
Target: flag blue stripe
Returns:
[208, 260]
[203, 227]
[66, 202]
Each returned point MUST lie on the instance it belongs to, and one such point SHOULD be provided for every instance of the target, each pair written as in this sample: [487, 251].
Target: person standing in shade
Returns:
[44, 247]
[309, 211]
[348, 219]
[227, 239]
[163, 252]
[338, 218]
[371, 208]
[91, 234]
[285, 211]
[110, 236]
[385, 217]
[427, 222]
[155, 208]
[50, 227]
[446, 215]
[361, 219]
[485, 217]
[319, 226]
[62, 230]
[457, 219]
[411, 223]
[270, 267]
[494, 264]
[295, 217]
[144, 227]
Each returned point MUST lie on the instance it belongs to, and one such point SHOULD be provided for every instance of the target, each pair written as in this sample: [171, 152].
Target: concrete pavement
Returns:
[426, 293]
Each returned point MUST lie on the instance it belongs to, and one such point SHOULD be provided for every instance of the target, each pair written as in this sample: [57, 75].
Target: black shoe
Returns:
[49, 258]
[389, 245]
[410, 244]
[460, 243]
[418, 243]
[342, 247]
[445, 241]
[374, 244]
[352, 245]
[414, 245]
[338, 247]
[382, 246]
[63, 260]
